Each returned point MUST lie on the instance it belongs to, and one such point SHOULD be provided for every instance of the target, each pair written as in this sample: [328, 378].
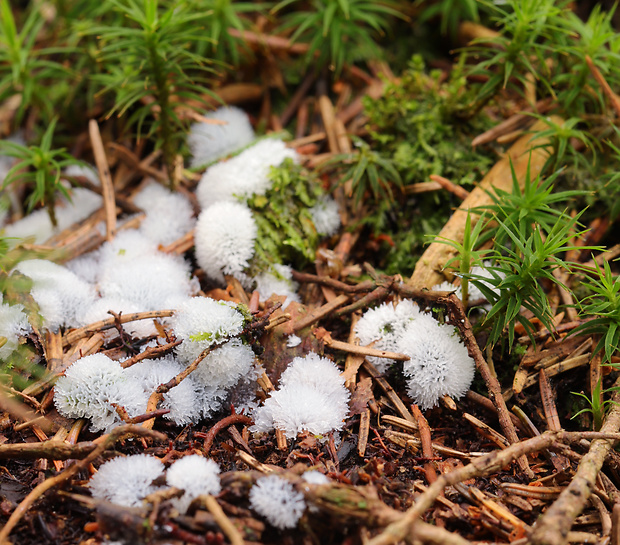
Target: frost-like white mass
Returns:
[275, 499]
[37, 224]
[182, 400]
[126, 481]
[293, 341]
[169, 215]
[13, 324]
[87, 171]
[315, 477]
[219, 320]
[209, 141]
[242, 176]
[224, 237]
[311, 397]
[385, 325]
[152, 282]
[61, 295]
[280, 283]
[220, 371]
[325, 216]
[91, 386]
[99, 310]
[195, 475]
[439, 363]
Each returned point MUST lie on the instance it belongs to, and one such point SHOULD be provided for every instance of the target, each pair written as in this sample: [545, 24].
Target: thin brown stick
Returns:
[109, 323]
[446, 184]
[51, 450]
[547, 396]
[613, 97]
[363, 350]
[362, 440]
[223, 424]
[103, 443]
[106, 180]
[229, 529]
[149, 353]
[427, 445]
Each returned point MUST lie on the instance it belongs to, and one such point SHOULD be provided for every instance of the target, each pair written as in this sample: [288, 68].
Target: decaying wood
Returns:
[525, 154]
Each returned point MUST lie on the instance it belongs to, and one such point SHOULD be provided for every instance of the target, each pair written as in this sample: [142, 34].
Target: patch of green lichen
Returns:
[416, 122]
[286, 231]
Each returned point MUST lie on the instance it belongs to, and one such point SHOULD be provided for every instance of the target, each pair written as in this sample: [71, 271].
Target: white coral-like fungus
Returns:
[169, 215]
[210, 141]
[311, 397]
[385, 325]
[126, 481]
[325, 216]
[224, 236]
[315, 477]
[151, 282]
[281, 283]
[13, 324]
[220, 371]
[275, 499]
[439, 363]
[195, 475]
[214, 320]
[61, 295]
[242, 176]
[91, 386]
[181, 400]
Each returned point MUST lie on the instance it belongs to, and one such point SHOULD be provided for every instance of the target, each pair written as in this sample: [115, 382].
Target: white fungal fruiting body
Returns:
[61, 295]
[210, 141]
[268, 284]
[217, 320]
[242, 176]
[169, 215]
[13, 324]
[385, 325]
[91, 386]
[220, 371]
[182, 400]
[311, 397]
[195, 475]
[151, 282]
[275, 499]
[224, 238]
[439, 363]
[126, 481]
[325, 216]
[315, 477]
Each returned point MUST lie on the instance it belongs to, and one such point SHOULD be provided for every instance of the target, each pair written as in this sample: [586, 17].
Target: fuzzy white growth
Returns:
[218, 320]
[89, 388]
[448, 286]
[224, 236]
[152, 282]
[181, 400]
[209, 141]
[293, 341]
[281, 283]
[315, 477]
[474, 292]
[439, 364]
[220, 371]
[242, 176]
[276, 500]
[385, 326]
[168, 215]
[126, 481]
[311, 397]
[195, 475]
[37, 224]
[13, 324]
[325, 216]
[61, 295]
[83, 170]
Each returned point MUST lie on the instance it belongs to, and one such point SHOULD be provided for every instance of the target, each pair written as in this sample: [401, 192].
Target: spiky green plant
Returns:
[152, 70]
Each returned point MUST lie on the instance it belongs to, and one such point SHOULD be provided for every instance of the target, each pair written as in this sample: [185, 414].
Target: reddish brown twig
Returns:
[223, 424]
